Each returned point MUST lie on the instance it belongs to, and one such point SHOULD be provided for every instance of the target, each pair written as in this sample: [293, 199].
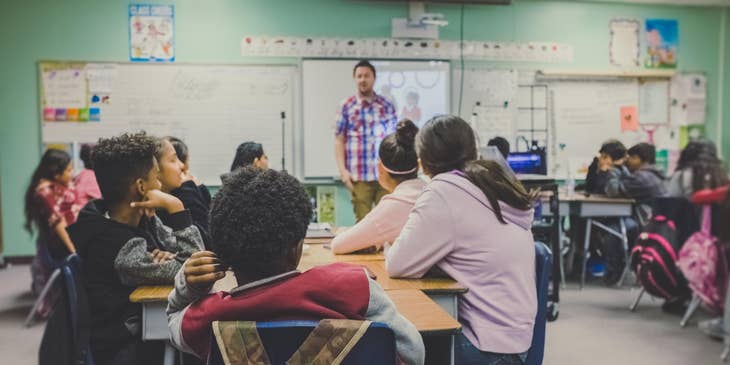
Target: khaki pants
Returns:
[365, 194]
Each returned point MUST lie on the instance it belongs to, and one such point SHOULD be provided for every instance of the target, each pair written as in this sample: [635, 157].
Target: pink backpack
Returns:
[702, 261]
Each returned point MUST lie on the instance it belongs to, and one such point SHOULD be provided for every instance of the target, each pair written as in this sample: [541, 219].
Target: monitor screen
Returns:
[528, 162]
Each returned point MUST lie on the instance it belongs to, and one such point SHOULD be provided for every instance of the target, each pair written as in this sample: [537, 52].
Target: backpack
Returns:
[702, 261]
[654, 258]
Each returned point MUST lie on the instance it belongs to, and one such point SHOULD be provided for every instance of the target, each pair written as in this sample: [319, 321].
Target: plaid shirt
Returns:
[364, 125]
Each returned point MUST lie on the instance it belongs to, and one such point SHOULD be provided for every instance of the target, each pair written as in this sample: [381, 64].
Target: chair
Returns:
[543, 267]
[72, 318]
[45, 256]
[282, 339]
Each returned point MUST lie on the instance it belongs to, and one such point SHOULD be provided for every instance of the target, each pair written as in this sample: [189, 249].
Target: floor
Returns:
[594, 327]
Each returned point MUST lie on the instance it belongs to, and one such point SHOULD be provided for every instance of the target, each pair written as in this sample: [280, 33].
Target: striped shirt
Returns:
[364, 124]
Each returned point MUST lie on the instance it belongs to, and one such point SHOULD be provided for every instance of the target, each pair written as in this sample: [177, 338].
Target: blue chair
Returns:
[543, 267]
[78, 307]
[282, 339]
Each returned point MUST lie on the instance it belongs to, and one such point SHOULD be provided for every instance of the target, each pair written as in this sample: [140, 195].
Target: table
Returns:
[597, 206]
[443, 291]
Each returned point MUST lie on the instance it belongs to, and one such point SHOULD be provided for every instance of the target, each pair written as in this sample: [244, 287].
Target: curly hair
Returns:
[119, 161]
[257, 218]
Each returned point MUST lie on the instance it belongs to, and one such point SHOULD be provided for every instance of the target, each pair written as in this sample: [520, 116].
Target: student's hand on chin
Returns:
[156, 199]
[203, 269]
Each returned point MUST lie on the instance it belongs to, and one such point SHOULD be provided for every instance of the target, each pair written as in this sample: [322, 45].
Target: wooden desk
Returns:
[444, 291]
[317, 254]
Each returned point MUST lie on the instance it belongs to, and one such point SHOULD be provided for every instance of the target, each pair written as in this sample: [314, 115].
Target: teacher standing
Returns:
[363, 120]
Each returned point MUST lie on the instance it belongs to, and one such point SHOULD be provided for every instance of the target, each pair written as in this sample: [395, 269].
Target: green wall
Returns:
[210, 31]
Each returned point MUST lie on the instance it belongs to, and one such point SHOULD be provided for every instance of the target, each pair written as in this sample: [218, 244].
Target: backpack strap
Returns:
[239, 343]
[329, 342]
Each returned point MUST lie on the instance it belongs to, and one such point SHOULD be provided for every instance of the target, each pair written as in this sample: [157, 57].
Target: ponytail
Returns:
[496, 185]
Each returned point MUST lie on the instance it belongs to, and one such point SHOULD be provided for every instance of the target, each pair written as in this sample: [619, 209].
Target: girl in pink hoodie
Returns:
[473, 223]
[398, 174]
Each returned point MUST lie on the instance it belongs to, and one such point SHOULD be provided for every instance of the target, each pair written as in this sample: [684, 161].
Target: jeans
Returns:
[467, 354]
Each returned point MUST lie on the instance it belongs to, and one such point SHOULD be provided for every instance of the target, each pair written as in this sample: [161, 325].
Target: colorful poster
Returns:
[662, 41]
[629, 119]
[151, 33]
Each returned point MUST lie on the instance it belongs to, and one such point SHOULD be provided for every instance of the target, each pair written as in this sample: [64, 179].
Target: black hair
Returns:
[613, 148]
[53, 162]
[364, 63]
[398, 153]
[257, 218]
[119, 161]
[707, 169]
[87, 149]
[447, 143]
[502, 145]
[246, 153]
[645, 151]
[181, 149]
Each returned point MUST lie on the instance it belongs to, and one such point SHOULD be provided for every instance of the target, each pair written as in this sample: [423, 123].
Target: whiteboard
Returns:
[327, 83]
[582, 114]
[586, 114]
[213, 108]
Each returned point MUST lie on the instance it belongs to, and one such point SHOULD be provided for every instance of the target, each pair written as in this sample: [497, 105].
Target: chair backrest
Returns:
[78, 307]
[543, 267]
[282, 339]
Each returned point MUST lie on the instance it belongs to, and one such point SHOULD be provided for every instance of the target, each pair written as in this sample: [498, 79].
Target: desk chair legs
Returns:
[691, 309]
[625, 243]
[725, 351]
[170, 353]
[30, 319]
[635, 304]
[586, 252]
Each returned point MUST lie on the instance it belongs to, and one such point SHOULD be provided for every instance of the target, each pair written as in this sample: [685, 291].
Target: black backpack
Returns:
[654, 260]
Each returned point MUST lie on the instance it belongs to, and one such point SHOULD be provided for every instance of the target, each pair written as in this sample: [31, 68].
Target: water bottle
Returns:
[570, 182]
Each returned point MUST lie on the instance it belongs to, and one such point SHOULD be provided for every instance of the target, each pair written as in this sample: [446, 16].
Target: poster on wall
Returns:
[662, 42]
[151, 33]
[624, 47]
[64, 93]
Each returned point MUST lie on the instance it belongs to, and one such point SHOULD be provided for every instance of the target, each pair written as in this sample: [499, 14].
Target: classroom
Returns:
[365, 182]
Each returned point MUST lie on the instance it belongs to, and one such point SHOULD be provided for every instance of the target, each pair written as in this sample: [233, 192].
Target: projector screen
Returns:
[418, 89]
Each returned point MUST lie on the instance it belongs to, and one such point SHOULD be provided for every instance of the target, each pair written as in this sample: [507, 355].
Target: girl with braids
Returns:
[473, 223]
[398, 174]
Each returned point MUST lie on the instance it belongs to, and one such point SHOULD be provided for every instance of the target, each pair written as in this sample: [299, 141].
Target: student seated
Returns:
[50, 206]
[85, 182]
[502, 145]
[248, 154]
[178, 182]
[258, 222]
[183, 153]
[473, 222]
[124, 245]
[698, 168]
[639, 179]
[611, 155]
[398, 174]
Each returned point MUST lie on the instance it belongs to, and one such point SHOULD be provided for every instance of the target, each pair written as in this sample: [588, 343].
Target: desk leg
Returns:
[586, 251]
[169, 354]
[453, 345]
[625, 242]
